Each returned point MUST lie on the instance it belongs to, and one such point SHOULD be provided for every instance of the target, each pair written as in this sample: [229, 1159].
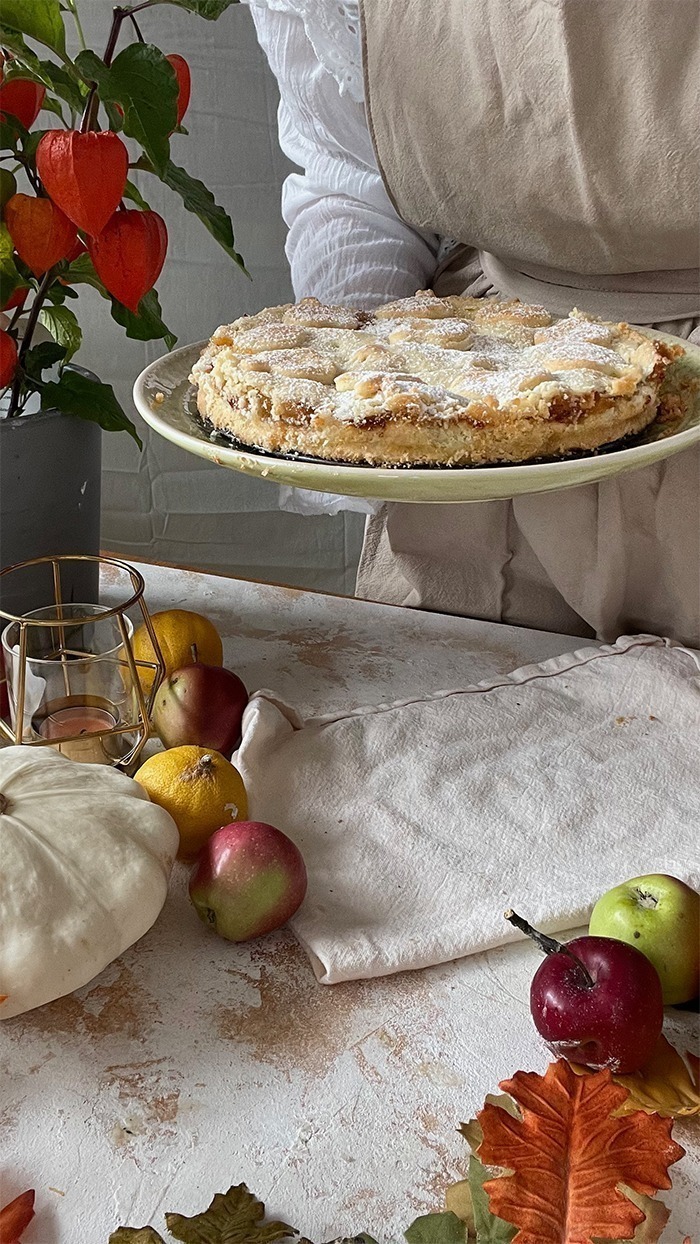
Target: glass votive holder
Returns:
[71, 678]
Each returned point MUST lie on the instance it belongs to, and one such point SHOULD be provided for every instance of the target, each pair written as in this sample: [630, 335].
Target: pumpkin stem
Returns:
[4, 804]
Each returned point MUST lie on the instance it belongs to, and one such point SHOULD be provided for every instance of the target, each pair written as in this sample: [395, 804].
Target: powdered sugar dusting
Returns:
[445, 355]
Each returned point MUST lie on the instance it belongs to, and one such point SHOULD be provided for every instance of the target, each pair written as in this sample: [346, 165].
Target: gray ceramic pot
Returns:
[50, 468]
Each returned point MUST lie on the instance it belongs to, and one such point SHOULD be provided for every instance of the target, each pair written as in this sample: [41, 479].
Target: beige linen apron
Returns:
[559, 140]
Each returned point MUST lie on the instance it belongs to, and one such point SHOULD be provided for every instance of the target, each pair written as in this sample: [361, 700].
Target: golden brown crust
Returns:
[428, 381]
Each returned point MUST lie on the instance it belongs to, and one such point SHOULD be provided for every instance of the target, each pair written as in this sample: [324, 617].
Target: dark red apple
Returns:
[595, 1001]
[249, 879]
[202, 705]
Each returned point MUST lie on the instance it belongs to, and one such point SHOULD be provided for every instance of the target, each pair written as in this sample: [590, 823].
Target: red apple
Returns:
[249, 879]
[595, 1001]
[201, 705]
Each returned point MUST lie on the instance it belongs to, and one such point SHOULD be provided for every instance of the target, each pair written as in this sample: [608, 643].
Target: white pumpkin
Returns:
[85, 859]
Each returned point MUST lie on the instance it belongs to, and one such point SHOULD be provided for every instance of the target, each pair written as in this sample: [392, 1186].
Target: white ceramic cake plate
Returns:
[166, 400]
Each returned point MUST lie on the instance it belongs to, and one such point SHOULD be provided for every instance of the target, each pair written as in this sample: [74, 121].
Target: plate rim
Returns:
[254, 461]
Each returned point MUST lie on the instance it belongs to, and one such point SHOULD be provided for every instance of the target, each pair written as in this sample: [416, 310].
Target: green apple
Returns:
[659, 915]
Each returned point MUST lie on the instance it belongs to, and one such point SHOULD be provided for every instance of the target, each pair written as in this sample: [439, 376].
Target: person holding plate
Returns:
[541, 149]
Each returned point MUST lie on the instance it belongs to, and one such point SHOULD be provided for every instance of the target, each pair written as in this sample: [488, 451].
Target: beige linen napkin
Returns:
[421, 821]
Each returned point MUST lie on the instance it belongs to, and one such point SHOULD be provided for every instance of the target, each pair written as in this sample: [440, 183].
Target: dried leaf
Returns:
[489, 1229]
[472, 1132]
[666, 1085]
[458, 1200]
[135, 1235]
[656, 1216]
[567, 1158]
[234, 1217]
[436, 1229]
[16, 1217]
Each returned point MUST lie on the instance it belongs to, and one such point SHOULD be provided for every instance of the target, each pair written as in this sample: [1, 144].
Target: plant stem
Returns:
[31, 175]
[32, 321]
[548, 944]
[135, 25]
[15, 316]
[92, 103]
[72, 5]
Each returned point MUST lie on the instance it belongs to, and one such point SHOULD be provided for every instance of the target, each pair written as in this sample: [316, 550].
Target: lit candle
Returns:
[83, 726]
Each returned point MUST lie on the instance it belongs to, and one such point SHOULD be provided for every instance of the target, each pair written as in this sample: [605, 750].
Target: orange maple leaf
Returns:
[15, 1217]
[565, 1157]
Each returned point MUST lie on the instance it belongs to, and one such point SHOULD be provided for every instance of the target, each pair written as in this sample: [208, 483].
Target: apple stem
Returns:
[549, 945]
[194, 654]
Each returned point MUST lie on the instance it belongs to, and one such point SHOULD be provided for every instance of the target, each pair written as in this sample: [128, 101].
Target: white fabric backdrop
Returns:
[165, 504]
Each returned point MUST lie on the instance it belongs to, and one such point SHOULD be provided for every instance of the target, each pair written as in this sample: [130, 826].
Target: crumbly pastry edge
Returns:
[400, 442]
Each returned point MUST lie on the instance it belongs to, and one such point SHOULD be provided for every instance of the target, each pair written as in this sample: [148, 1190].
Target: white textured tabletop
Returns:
[191, 1063]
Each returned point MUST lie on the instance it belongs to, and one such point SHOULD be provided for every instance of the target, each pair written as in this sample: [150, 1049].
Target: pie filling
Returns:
[428, 381]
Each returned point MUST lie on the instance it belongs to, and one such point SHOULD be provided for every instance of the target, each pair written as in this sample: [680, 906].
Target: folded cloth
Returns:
[421, 821]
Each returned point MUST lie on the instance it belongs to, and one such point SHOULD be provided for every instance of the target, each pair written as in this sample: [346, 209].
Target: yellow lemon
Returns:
[199, 788]
[178, 631]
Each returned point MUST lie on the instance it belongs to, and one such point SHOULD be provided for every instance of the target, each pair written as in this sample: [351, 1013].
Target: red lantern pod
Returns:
[17, 298]
[184, 82]
[22, 99]
[8, 359]
[40, 232]
[85, 174]
[129, 254]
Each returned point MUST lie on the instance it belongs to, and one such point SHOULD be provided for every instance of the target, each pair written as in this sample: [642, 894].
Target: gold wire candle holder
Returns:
[69, 676]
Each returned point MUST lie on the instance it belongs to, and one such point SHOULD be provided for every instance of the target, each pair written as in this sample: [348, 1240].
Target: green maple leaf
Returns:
[444, 1228]
[234, 1217]
[489, 1228]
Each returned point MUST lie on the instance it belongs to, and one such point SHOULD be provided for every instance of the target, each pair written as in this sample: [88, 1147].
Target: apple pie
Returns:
[428, 381]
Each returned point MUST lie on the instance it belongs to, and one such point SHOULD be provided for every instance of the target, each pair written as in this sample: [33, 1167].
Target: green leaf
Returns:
[12, 41]
[437, 1229]
[144, 83]
[489, 1228]
[14, 134]
[37, 360]
[198, 199]
[10, 278]
[135, 1235]
[52, 105]
[54, 77]
[37, 19]
[79, 395]
[232, 1217]
[133, 193]
[148, 324]
[57, 294]
[64, 328]
[32, 140]
[211, 9]
[115, 118]
[82, 272]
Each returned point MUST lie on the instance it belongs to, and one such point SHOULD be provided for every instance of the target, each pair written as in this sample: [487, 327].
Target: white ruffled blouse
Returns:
[338, 203]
